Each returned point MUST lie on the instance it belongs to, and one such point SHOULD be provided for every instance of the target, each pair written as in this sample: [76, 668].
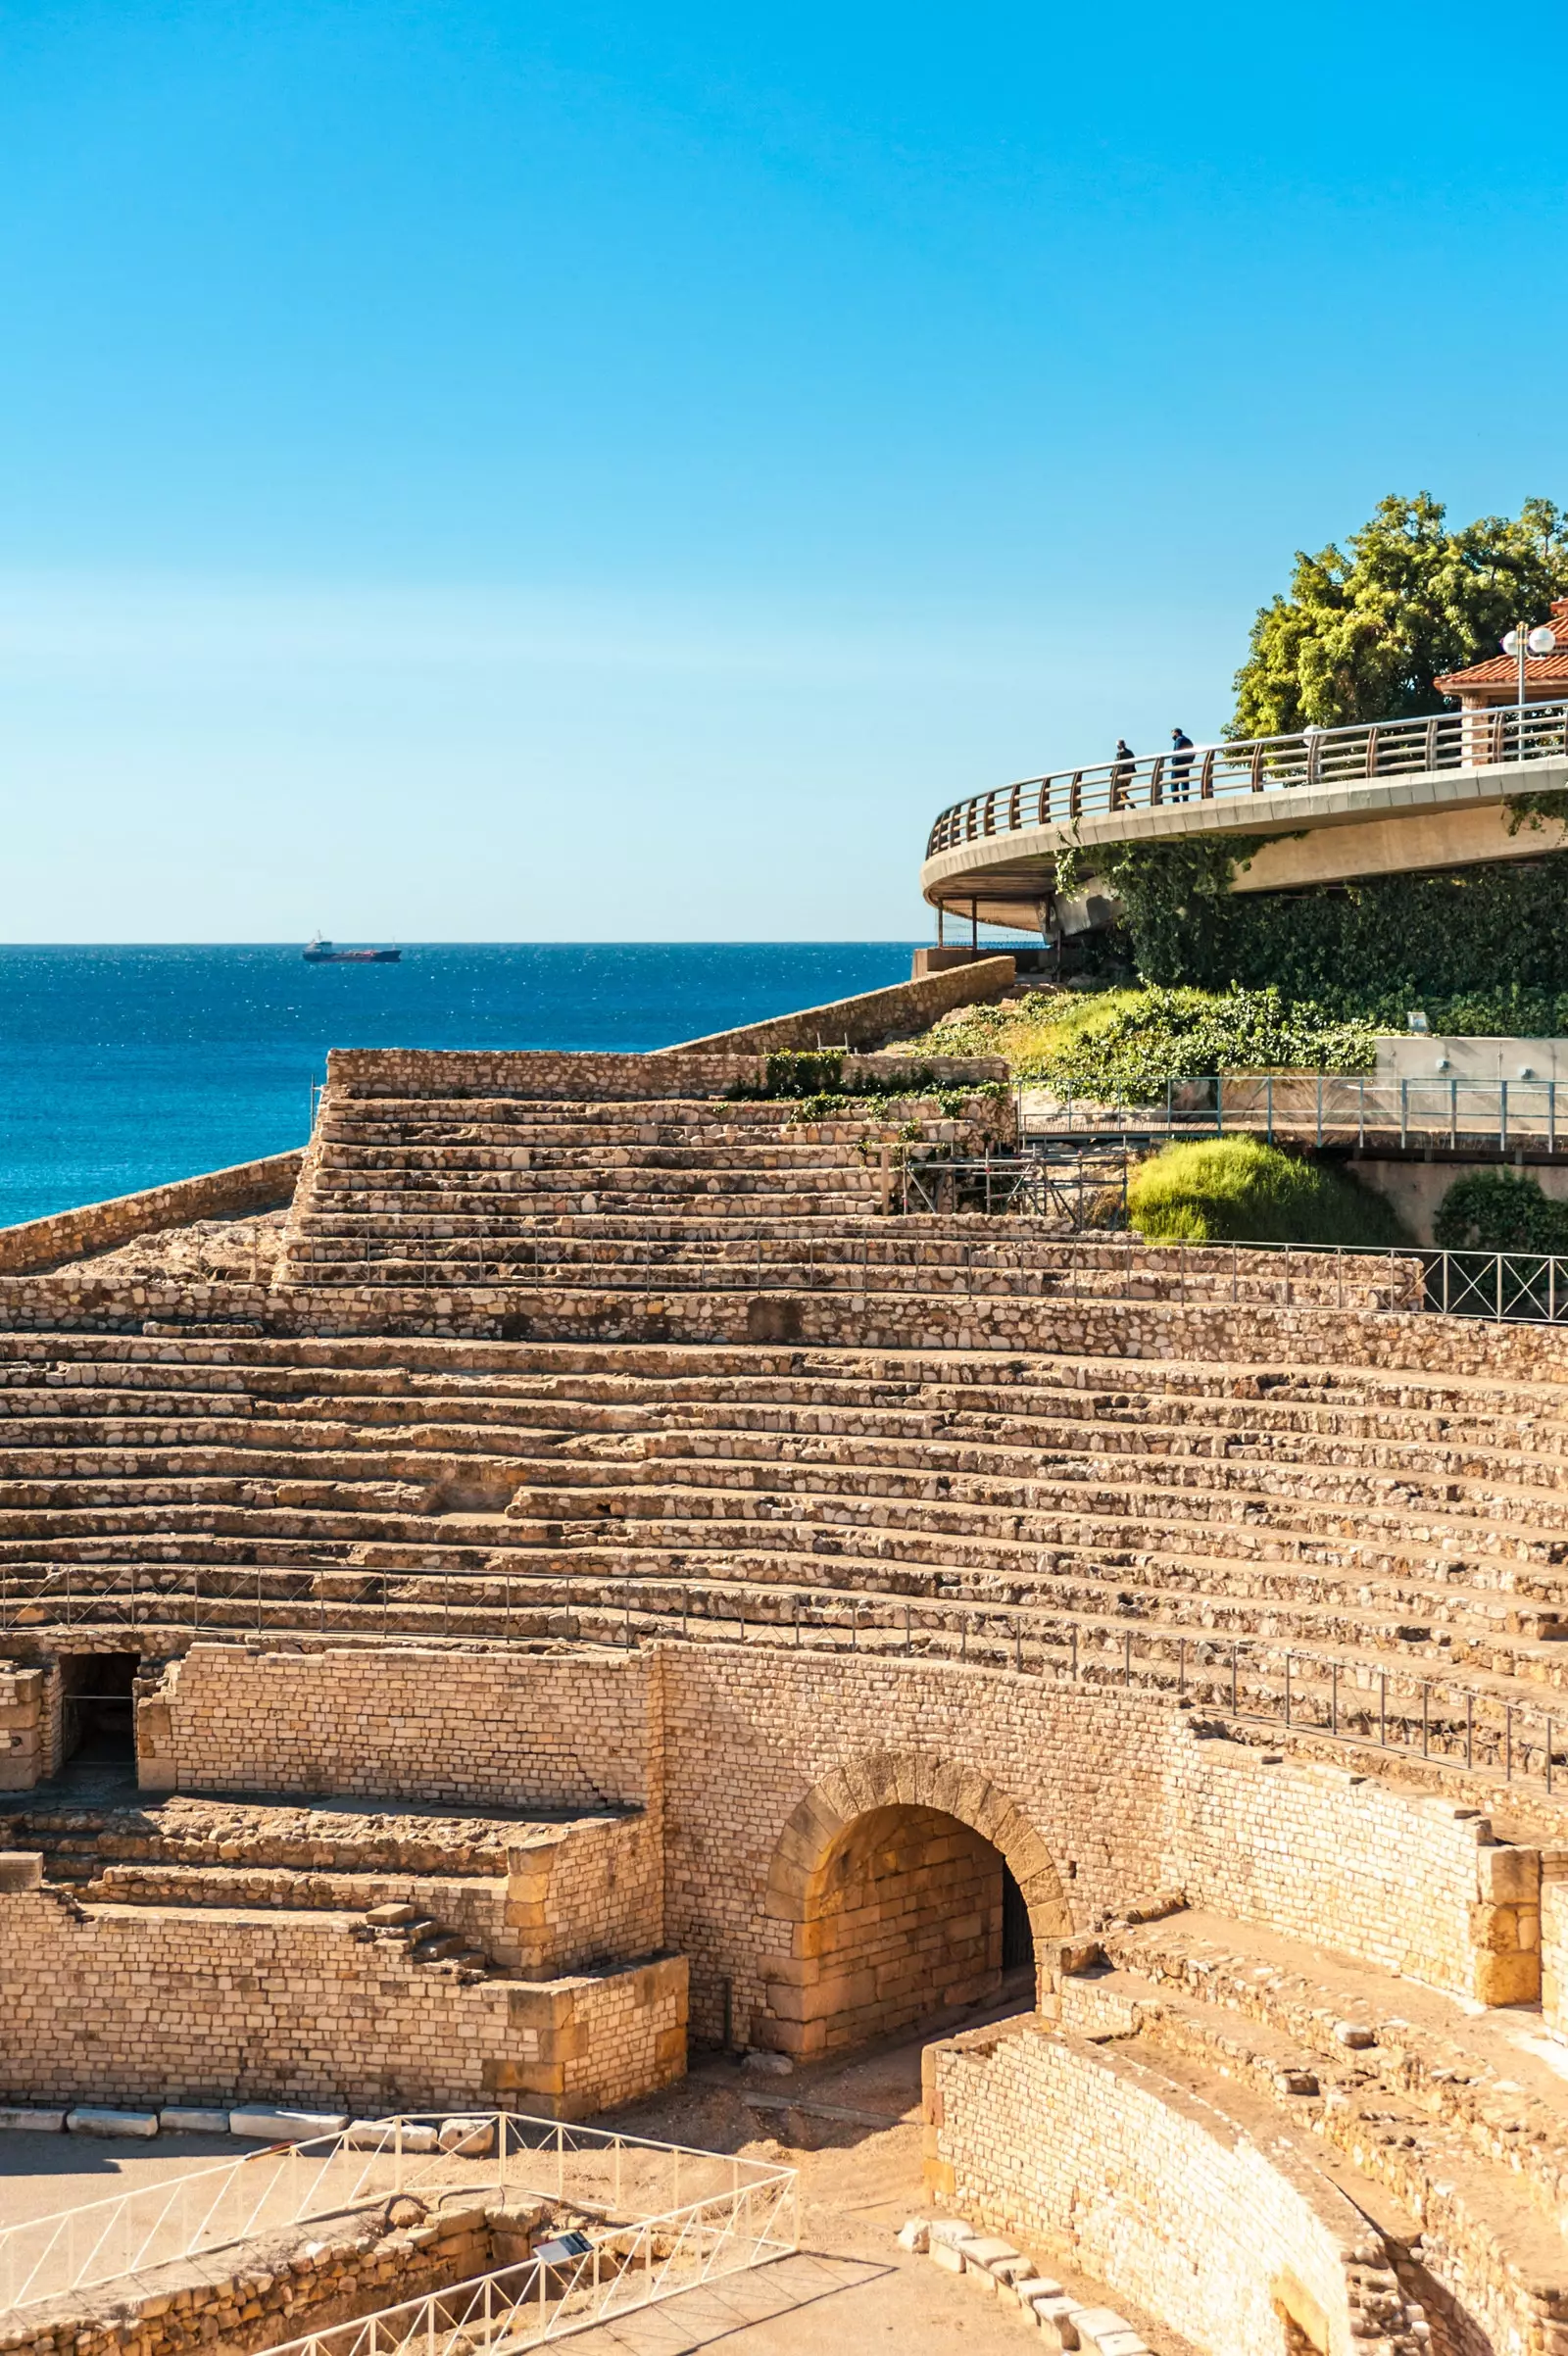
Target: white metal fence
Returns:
[1356, 755]
[596, 2276]
[270, 2191]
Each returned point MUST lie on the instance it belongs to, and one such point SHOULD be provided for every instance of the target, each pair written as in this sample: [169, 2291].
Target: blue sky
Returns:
[592, 471]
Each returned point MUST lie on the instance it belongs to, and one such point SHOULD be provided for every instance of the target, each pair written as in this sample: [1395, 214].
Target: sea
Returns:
[127, 1068]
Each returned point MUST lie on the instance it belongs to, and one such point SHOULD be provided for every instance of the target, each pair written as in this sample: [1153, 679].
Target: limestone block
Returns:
[1508, 1877]
[20, 1870]
[947, 2256]
[188, 2122]
[1058, 2322]
[1507, 1979]
[915, 2234]
[991, 2253]
[34, 2122]
[469, 2139]
[286, 2127]
[90, 2119]
[1107, 2332]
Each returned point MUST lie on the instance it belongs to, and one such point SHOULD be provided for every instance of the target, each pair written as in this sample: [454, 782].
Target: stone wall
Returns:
[1554, 1941]
[69, 1234]
[866, 1019]
[152, 2005]
[26, 1752]
[1077, 2149]
[548, 1076]
[1415, 1885]
[77, 1299]
[578, 1892]
[474, 1729]
[755, 1765]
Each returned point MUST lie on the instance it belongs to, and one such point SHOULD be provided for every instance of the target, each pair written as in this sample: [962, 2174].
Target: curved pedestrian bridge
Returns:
[1385, 798]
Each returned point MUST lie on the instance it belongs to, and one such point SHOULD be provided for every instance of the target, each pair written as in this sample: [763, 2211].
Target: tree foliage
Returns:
[1366, 629]
[1492, 1211]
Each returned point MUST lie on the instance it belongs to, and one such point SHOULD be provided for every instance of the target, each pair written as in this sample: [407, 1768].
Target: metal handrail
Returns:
[1433, 1107]
[1359, 755]
[279, 2185]
[599, 2275]
[1379, 1705]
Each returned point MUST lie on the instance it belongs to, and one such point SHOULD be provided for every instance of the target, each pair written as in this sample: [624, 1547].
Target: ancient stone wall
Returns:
[867, 1017]
[759, 1763]
[24, 1745]
[474, 1730]
[77, 1299]
[1211, 1332]
[578, 1892]
[1554, 1941]
[1076, 2148]
[150, 2005]
[1323, 1855]
[548, 1076]
[98, 1226]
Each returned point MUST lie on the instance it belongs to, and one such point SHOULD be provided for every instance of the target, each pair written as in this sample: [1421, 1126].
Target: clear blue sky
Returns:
[438, 443]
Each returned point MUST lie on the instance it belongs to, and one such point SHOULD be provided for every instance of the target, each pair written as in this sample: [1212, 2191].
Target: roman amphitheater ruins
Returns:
[573, 1575]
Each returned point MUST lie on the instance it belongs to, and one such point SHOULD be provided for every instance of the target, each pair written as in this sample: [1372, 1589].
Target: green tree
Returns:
[1362, 635]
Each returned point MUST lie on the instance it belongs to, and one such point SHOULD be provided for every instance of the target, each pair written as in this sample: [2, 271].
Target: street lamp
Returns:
[1524, 641]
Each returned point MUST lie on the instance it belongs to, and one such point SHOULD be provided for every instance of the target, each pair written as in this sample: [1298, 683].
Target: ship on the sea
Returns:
[322, 952]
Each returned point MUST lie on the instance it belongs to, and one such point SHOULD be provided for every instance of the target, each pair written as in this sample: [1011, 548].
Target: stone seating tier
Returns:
[1447, 2130]
[1396, 1529]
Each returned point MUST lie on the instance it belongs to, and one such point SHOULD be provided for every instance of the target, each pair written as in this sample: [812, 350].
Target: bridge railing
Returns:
[1314, 756]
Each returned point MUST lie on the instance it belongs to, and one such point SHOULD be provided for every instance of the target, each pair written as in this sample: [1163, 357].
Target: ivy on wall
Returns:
[1492, 936]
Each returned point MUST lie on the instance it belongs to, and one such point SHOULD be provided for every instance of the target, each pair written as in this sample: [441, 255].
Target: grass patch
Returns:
[1238, 1190]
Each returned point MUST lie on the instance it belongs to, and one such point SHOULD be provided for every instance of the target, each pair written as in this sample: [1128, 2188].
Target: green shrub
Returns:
[1492, 1211]
[1237, 1190]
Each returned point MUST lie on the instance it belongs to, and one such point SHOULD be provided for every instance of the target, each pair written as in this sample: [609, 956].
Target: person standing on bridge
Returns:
[1121, 774]
[1181, 763]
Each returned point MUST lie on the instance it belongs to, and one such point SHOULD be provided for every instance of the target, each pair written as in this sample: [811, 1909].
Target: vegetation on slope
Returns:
[1122, 1046]
[1237, 1190]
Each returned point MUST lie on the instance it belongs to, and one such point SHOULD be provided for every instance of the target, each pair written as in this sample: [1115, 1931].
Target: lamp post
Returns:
[1523, 641]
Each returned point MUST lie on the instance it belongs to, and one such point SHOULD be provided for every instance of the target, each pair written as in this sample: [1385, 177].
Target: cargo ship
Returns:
[318, 951]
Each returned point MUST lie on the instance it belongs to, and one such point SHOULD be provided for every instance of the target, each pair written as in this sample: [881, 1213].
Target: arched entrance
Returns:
[907, 1886]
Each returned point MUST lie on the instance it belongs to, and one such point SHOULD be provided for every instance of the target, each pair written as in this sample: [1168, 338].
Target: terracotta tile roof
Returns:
[1503, 670]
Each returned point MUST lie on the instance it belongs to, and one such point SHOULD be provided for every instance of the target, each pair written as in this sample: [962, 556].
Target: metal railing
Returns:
[1314, 756]
[1083, 1190]
[268, 2190]
[1386, 1705]
[1331, 1109]
[595, 2277]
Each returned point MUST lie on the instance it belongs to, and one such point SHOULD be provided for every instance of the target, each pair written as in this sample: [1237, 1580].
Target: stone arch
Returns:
[858, 1797]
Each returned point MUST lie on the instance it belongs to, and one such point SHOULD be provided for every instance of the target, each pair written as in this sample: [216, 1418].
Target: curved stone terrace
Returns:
[1386, 797]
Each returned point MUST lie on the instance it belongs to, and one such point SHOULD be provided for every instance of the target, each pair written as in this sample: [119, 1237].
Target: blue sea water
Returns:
[123, 1068]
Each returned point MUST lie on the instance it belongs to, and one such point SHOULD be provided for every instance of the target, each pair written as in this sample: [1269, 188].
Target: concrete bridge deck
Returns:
[1392, 798]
